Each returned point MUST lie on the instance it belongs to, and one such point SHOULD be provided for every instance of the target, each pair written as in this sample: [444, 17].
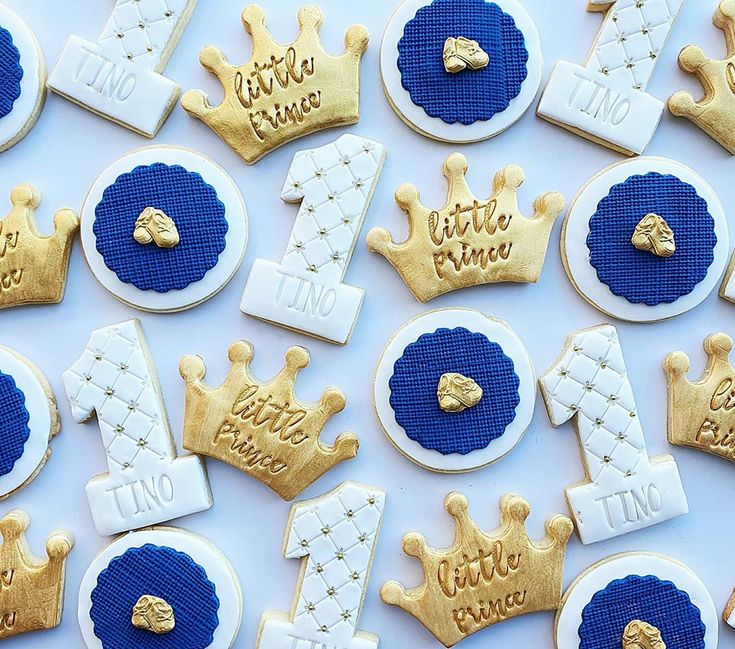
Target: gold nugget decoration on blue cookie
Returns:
[469, 241]
[285, 91]
[32, 593]
[261, 427]
[484, 578]
[33, 267]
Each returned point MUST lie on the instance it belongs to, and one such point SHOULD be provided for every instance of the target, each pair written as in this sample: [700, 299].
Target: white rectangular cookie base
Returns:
[620, 116]
[279, 633]
[134, 96]
[649, 497]
[118, 506]
[300, 302]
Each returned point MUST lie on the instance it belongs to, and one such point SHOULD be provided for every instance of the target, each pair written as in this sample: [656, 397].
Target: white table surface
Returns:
[68, 148]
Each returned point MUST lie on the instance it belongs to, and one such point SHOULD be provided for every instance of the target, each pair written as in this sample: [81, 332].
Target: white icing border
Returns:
[26, 109]
[576, 254]
[216, 278]
[218, 568]
[597, 577]
[435, 127]
[40, 422]
[513, 347]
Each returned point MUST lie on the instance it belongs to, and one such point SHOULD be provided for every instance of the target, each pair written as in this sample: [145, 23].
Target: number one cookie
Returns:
[605, 100]
[119, 75]
[146, 483]
[334, 185]
[335, 537]
[625, 490]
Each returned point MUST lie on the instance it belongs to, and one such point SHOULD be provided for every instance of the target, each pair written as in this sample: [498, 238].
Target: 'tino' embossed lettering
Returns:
[304, 296]
[104, 76]
[142, 496]
[599, 102]
[625, 507]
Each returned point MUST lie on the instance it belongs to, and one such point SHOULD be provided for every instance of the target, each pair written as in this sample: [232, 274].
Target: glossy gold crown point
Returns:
[25, 196]
[14, 524]
[357, 40]
[240, 353]
[718, 346]
[311, 17]
[59, 545]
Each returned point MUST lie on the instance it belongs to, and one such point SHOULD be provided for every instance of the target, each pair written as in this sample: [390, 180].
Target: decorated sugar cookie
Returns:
[29, 420]
[33, 267]
[701, 412]
[714, 113]
[120, 75]
[260, 427]
[469, 241]
[605, 100]
[160, 587]
[146, 483]
[729, 613]
[461, 70]
[645, 240]
[335, 185]
[455, 390]
[637, 601]
[164, 228]
[22, 79]
[32, 597]
[624, 489]
[335, 536]
[485, 577]
[285, 91]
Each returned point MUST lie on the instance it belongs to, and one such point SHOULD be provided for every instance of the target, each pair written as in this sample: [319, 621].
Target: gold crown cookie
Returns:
[701, 413]
[715, 112]
[484, 578]
[32, 593]
[283, 92]
[469, 241]
[261, 427]
[33, 268]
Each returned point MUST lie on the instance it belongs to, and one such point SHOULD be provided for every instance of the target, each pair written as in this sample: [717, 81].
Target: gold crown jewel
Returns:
[31, 588]
[702, 414]
[33, 267]
[469, 241]
[262, 428]
[484, 578]
[715, 112]
[285, 91]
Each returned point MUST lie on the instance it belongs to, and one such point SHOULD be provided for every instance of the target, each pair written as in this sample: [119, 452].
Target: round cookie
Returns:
[645, 240]
[186, 575]
[603, 601]
[455, 390]
[22, 79]
[29, 421]
[461, 70]
[164, 228]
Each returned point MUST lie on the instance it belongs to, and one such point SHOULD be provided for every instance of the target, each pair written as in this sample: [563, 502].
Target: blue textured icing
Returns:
[469, 96]
[416, 377]
[162, 572]
[11, 72]
[186, 198]
[14, 418]
[649, 599]
[639, 276]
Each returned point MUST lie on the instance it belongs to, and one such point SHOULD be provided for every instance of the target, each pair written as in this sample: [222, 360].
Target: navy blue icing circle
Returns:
[649, 599]
[415, 379]
[162, 572]
[11, 72]
[639, 276]
[469, 96]
[186, 198]
[14, 428]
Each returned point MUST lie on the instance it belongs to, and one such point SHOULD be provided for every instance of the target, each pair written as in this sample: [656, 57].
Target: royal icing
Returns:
[184, 195]
[625, 489]
[335, 536]
[335, 185]
[605, 100]
[182, 570]
[422, 357]
[472, 104]
[617, 273]
[119, 75]
[147, 483]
